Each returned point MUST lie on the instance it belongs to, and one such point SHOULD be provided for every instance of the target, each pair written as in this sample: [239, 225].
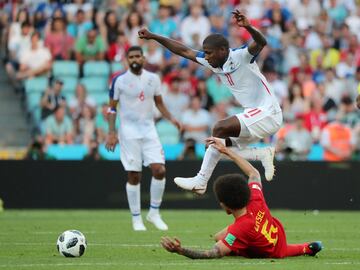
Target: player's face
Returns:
[135, 60]
[216, 57]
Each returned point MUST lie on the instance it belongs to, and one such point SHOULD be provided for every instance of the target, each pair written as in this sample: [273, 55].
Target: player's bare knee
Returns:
[134, 178]
[158, 172]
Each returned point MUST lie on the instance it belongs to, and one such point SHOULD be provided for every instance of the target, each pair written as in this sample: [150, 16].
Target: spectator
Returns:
[337, 11]
[117, 51]
[80, 26]
[15, 30]
[176, 101]
[278, 86]
[90, 47]
[59, 42]
[154, 56]
[335, 88]
[195, 27]
[35, 61]
[189, 152]
[81, 100]
[206, 101]
[196, 122]
[163, 25]
[315, 119]
[58, 128]
[219, 112]
[338, 141]
[111, 28]
[134, 22]
[93, 153]
[305, 12]
[36, 151]
[348, 114]
[85, 127]
[51, 99]
[298, 141]
[83, 6]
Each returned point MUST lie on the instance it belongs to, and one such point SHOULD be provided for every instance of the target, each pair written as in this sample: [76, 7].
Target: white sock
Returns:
[249, 153]
[133, 196]
[157, 188]
[211, 158]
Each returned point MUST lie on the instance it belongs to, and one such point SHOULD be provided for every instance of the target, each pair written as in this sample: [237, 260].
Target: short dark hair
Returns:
[135, 48]
[217, 41]
[232, 190]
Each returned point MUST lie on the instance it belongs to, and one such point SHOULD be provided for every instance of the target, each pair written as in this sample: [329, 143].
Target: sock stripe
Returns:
[154, 207]
[135, 215]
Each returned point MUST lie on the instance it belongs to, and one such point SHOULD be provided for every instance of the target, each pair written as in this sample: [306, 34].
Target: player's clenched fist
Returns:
[111, 142]
[240, 18]
[145, 34]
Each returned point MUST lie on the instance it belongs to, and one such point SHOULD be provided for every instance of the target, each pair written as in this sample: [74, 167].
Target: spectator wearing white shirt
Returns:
[196, 122]
[81, 99]
[195, 27]
[176, 101]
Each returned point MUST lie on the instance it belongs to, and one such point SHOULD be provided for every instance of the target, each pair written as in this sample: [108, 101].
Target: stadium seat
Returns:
[173, 151]
[100, 98]
[200, 149]
[316, 153]
[96, 68]
[69, 85]
[36, 84]
[116, 67]
[32, 100]
[168, 133]
[109, 155]
[65, 69]
[67, 152]
[95, 84]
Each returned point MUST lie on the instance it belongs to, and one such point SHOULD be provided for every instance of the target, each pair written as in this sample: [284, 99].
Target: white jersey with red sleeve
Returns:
[242, 76]
[135, 94]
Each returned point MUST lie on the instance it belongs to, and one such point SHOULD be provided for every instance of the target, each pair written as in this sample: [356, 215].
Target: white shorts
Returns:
[136, 152]
[257, 124]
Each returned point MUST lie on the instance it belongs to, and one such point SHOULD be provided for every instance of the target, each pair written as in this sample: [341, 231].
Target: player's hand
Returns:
[177, 124]
[145, 34]
[218, 144]
[171, 245]
[241, 19]
[358, 101]
[111, 141]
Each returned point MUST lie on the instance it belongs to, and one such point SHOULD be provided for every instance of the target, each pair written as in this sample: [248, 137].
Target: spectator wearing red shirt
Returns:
[315, 119]
[254, 233]
[117, 50]
[303, 67]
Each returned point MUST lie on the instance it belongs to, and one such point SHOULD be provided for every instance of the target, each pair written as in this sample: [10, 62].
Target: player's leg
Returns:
[132, 162]
[154, 156]
[310, 249]
[229, 127]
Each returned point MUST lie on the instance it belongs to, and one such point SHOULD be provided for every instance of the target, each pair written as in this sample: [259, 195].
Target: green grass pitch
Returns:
[28, 240]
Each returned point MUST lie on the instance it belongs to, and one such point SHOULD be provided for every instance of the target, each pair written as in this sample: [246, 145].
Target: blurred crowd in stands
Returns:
[312, 62]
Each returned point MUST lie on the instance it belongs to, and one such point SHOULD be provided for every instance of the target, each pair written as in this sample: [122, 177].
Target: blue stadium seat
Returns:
[173, 151]
[95, 84]
[65, 69]
[36, 84]
[316, 153]
[96, 68]
[32, 100]
[100, 98]
[116, 67]
[168, 133]
[200, 149]
[109, 155]
[69, 85]
[67, 152]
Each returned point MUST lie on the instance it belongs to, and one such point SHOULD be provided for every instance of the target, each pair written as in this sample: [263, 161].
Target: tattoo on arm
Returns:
[213, 253]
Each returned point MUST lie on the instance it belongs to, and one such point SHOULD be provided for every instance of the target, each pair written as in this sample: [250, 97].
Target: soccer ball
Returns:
[71, 243]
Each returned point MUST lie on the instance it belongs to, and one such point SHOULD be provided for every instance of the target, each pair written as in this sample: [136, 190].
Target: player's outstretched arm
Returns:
[259, 40]
[174, 246]
[112, 139]
[245, 166]
[173, 45]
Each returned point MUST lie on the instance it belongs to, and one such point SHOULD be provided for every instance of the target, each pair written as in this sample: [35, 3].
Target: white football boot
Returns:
[194, 184]
[155, 218]
[138, 224]
[267, 160]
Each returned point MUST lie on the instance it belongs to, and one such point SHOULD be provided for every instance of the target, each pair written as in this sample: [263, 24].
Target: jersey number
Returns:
[230, 80]
[267, 233]
[142, 96]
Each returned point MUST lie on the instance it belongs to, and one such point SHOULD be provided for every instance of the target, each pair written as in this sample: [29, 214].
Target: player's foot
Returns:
[267, 161]
[157, 221]
[315, 247]
[138, 224]
[194, 184]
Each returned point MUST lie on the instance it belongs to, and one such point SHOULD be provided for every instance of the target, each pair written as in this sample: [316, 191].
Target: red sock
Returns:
[297, 250]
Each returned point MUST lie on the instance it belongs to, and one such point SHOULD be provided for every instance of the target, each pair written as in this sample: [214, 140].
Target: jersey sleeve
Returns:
[114, 92]
[235, 239]
[242, 54]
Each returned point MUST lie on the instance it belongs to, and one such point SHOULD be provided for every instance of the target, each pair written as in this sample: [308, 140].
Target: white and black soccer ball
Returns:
[71, 243]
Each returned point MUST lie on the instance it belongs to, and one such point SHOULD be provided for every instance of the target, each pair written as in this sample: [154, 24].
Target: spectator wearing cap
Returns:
[90, 47]
[36, 60]
[51, 99]
[58, 128]
[163, 25]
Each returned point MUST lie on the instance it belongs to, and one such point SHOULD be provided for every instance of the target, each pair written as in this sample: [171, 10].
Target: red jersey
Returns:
[256, 234]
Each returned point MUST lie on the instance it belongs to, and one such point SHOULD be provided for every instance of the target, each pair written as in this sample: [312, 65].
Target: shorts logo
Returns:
[230, 239]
